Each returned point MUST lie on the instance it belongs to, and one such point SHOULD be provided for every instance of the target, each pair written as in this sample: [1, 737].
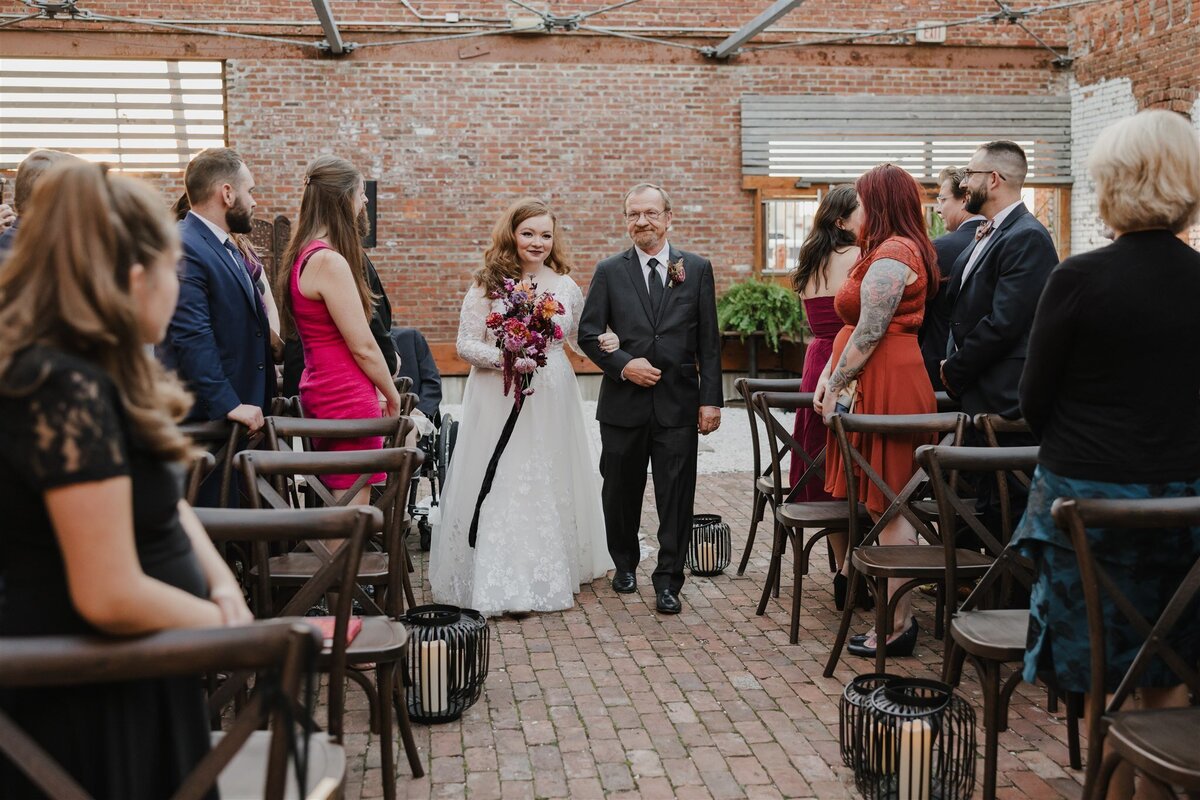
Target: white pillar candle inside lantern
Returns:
[434, 682]
[916, 749]
[706, 557]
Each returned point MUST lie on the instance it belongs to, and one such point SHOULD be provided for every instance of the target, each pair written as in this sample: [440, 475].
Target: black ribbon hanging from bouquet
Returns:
[490, 474]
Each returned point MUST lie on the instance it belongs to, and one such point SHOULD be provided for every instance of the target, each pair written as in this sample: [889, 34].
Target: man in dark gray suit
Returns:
[951, 206]
[661, 387]
[995, 286]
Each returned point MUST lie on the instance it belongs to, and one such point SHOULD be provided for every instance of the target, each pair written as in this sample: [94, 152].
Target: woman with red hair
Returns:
[876, 365]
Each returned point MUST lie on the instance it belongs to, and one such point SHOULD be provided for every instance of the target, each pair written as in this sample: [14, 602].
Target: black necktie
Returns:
[236, 255]
[656, 286]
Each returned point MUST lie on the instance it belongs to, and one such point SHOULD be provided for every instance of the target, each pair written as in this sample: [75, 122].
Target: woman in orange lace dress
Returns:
[876, 358]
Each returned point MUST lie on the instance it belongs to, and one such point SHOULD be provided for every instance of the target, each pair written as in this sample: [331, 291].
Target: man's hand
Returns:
[641, 372]
[942, 375]
[7, 216]
[248, 415]
[710, 419]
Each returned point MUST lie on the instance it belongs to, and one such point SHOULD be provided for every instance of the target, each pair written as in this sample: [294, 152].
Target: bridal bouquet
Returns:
[524, 330]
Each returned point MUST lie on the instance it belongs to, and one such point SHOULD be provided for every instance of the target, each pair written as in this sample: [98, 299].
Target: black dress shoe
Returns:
[667, 602]
[841, 588]
[624, 582]
[903, 645]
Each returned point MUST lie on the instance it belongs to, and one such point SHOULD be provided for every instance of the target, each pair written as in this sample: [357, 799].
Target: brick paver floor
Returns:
[610, 699]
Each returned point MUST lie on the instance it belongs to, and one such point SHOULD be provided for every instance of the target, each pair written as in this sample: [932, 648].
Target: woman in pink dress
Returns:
[327, 299]
[824, 262]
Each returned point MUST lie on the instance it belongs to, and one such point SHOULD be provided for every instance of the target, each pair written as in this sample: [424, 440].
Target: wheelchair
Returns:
[438, 448]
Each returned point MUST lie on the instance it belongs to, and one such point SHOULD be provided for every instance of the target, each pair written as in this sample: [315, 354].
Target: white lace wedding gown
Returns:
[541, 528]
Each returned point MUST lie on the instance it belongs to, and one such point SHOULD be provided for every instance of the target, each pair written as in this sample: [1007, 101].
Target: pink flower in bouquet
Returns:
[558, 332]
[525, 365]
[494, 319]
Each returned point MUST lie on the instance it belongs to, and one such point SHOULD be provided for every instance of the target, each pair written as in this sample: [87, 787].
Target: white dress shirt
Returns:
[663, 256]
[982, 245]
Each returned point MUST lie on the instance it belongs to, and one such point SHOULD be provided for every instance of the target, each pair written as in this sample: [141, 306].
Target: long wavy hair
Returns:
[891, 200]
[500, 260]
[331, 185]
[66, 287]
[812, 265]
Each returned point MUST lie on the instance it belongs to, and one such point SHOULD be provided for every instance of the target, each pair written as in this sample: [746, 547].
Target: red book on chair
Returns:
[325, 626]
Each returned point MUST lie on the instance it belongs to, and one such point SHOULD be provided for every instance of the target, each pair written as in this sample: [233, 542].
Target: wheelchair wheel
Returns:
[445, 443]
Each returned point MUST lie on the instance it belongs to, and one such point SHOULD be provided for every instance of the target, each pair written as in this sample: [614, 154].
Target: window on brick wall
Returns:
[135, 115]
[796, 146]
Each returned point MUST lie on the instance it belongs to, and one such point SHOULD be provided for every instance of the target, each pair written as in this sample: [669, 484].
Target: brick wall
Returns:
[1130, 55]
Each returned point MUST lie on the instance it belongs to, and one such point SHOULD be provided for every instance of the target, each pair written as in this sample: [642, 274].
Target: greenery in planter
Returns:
[755, 305]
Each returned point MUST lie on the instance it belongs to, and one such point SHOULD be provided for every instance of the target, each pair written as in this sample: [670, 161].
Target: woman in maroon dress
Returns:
[825, 260]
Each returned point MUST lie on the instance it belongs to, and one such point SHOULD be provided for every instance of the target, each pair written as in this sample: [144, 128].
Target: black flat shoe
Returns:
[667, 602]
[900, 647]
[839, 591]
[624, 582]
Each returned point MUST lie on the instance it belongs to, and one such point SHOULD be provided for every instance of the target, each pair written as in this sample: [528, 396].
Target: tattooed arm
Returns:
[882, 288]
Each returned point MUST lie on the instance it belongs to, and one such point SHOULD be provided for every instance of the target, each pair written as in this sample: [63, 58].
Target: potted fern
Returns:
[756, 307]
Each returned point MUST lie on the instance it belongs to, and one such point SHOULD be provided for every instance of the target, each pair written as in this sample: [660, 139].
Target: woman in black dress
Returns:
[95, 537]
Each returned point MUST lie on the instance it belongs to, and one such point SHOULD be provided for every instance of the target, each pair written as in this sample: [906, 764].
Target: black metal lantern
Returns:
[851, 712]
[711, 547]
[916, 742]
[447, 663]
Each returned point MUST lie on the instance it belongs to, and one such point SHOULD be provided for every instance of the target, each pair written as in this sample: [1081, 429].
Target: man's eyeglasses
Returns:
[651, 216]
[967, 173]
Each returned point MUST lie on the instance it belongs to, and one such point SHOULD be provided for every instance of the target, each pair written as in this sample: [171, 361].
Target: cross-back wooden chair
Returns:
[993, 426]
[198, 469]
[792, 517]
[403, 384]
[1161, 744]
[989, 628]
[265, 470]
[408, 401]
[244, 761]
[913, 564]
[223, 439]
[746, 387]
[381, 641]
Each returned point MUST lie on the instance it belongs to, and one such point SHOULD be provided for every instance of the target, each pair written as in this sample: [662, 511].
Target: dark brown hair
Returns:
[330, 187]
[209, 169]
[825, 237]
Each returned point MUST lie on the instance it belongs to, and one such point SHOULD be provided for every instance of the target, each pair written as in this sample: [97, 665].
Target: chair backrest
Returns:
[1075, 516]
[780, 442]
[223, 439]
[200, 467]
[941, 463]
[408, 401]
[282, 653]
[747, 387]
[947, 425]
[340, 568]
[403, 384]
[259, 467]
[279, 429]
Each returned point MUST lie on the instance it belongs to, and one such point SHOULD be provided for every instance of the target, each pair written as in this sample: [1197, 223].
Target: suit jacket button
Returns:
[260, 366]
[657, 337]
[258, 334]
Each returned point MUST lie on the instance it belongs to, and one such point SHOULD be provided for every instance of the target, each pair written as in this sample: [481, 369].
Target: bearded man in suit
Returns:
[661, 387]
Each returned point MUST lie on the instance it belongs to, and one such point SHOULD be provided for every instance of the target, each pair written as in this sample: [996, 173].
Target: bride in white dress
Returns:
[541, 528]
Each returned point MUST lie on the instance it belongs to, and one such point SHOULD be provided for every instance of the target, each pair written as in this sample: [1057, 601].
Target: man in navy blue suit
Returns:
[219, 340]
[951, 206]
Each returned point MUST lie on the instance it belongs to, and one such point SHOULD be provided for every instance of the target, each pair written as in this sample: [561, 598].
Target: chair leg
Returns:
[989, 677]
[833, 567]
[384, 675]
[773, 570]
[760, 503]
[406, 733]
[844, 625]
[952, 662]
[883, 622]
[1051, 701]
[939, 614]
[801, 566]
[1103, 777]
[1073, 701]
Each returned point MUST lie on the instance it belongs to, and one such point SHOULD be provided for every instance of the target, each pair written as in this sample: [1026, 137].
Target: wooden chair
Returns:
[223, 439]
[746, 387]
[792, 518]
[408, 401]
[199, 469]
[263, 470]
[985, 628]
[244, 761]
[913, 564]
[1161, 744]
[403, 384]
[381, 641]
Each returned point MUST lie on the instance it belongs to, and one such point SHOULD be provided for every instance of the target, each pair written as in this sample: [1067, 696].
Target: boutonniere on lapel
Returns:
[675, 274]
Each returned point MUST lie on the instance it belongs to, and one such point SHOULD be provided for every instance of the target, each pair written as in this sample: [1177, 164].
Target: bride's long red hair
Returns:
[891, 201]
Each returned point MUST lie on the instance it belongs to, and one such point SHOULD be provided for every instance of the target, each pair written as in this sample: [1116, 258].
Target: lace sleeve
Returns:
[73, 430]
[474, 344]
[572, 300]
